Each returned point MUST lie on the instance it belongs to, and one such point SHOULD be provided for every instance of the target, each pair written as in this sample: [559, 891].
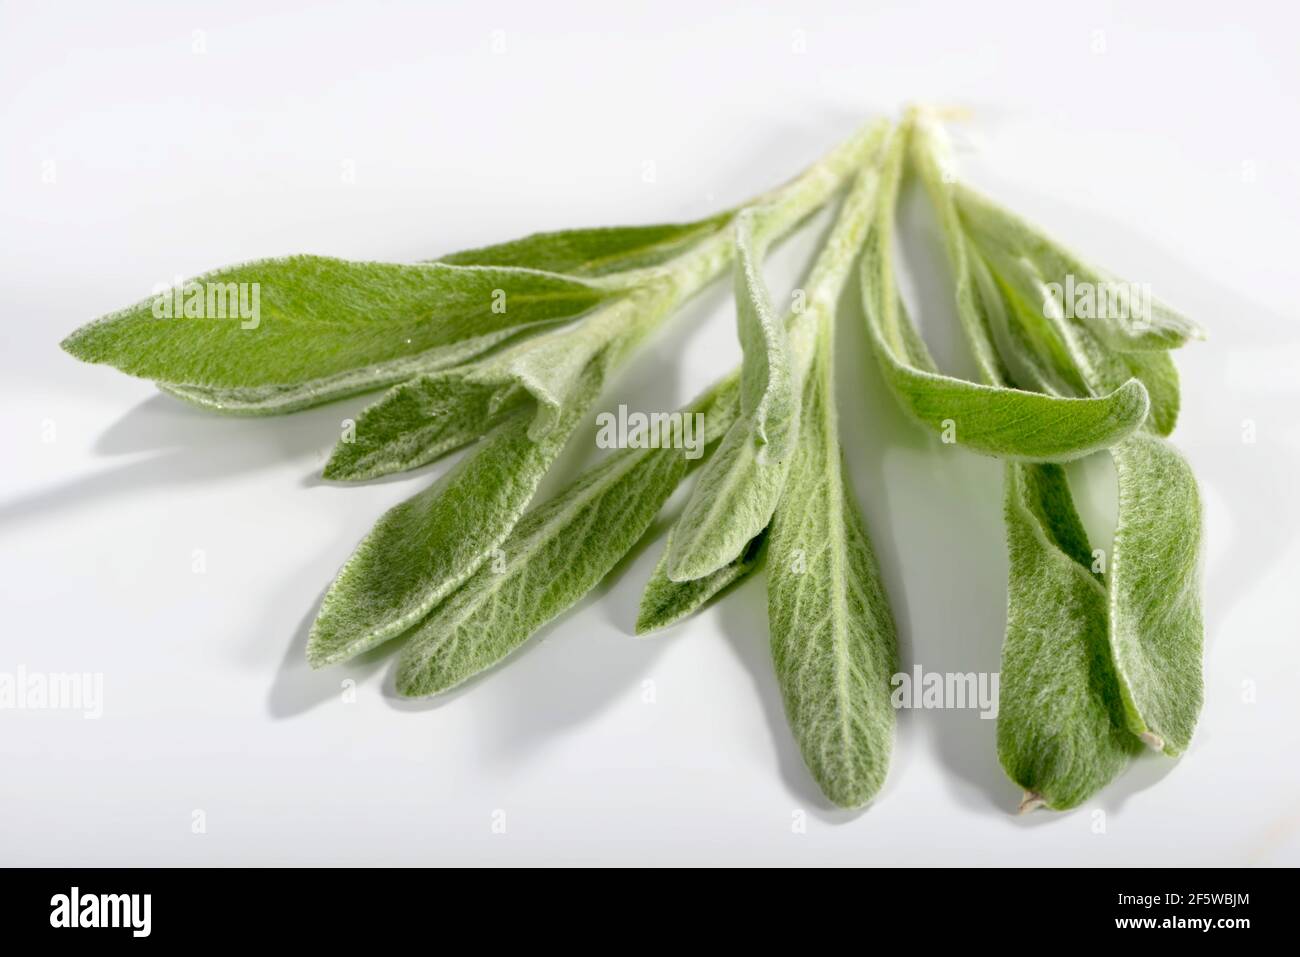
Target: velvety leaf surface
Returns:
[666, 602]
[1061, 733]
[594, 252]
[557, 553]
[424, 548]
[331, 326]
[739, 486]
[833, 639]
[1156, 625]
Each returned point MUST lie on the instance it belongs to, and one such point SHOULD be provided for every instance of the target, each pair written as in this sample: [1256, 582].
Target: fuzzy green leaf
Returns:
[595, 252]
[1061, 733]
[666, 602]
[833, 638]
[421, 550]
[326, 328]
[418, 422]
[428, 416]
[283, 399]
[1076, 359]
[557, 553]
[992, 225]
[988, 418]
[739, 486]
[1156, 626]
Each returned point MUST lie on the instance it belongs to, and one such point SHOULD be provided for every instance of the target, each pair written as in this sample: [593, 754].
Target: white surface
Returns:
[1170, 156]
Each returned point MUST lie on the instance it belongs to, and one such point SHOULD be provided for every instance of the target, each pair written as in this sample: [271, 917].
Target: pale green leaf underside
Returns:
[992, 419]
[1156, 626]
[282, 399]
[418, 422]
[328, 324]
[1011, 423]
[739, 486]
[424, 548]
[594, 252]
[556, 555]
[992, 224]
[1061, 733]
[665, 602]
[430, 415]
[1072, 357]
[833, 638]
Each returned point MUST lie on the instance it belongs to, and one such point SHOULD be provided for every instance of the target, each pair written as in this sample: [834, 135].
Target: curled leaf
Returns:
[739, 486]
[1156, 625]
[989, 418]
[1061, 733]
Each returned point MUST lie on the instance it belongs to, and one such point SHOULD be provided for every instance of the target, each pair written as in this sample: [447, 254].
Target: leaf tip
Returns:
[78, 345]
[648, 621]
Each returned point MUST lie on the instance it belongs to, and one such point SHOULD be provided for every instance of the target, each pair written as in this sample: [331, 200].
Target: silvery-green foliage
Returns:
[328, 328]
[556, 554]
[665, 602]
[424, 548]
[834, 644]
[601, 251]
[1156, 626]
[511, 345]
[1061, 731]
[739, 486]
[1147, 609]
[990, 225]
[987, 417]
[429, 415]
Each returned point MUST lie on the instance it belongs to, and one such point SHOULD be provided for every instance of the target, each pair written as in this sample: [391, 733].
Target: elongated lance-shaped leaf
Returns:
[421, 550]
[429, 415]
[556, 554]
[1079, 361]
[833, 637]
[600, 251]
[1061, 733]
[283, 399]
[986, 417]
[384, 588]
[1156, 625]
[739, 487]
[279, 334]
[1128, 320]
[418, 422]
[392, 435]
[931, 154]
[665, 602]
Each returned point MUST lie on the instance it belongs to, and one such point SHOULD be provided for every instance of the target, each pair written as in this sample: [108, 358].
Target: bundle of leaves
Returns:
[509, 347]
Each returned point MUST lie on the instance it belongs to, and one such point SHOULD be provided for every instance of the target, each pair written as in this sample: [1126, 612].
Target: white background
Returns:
[1161, 141]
